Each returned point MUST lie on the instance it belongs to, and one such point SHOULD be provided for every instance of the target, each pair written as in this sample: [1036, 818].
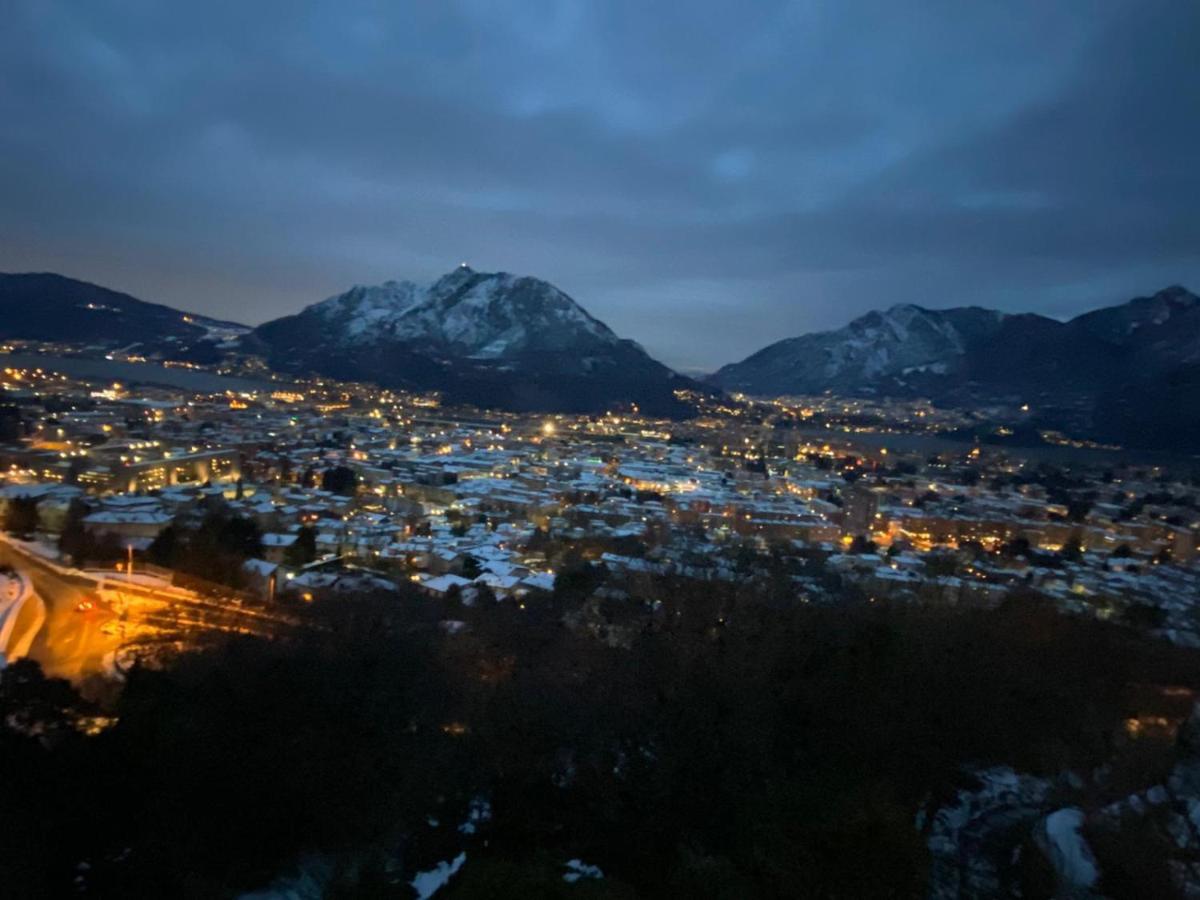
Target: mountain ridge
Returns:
[485, 338]
[884, 342]
[1125, 373]
[1085, 372]
[47, 306]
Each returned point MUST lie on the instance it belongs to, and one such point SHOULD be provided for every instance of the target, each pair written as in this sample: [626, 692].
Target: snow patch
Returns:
[485, 316]
[577, 869]
[479, 813]
[1067, 850]
[428, 883]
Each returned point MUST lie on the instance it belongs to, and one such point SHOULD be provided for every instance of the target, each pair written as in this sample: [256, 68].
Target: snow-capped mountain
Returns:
[1160, 328]
[489, 338]
[1127, 373]
[486, 316]
[905, 346]
[896, 342]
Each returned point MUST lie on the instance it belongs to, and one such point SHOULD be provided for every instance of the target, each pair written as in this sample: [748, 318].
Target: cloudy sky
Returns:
[707, 177]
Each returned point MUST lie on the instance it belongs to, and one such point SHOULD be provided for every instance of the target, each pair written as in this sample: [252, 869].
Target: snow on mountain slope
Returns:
[1124, 374]
[894, 342]
[878, 352]
[491, 339]
[484, 315]
[1117, 323]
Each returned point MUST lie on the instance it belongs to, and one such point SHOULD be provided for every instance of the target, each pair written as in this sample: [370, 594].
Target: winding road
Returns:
[75, 622]
[66, 641]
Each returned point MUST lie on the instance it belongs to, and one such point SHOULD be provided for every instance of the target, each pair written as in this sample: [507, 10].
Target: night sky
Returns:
[705, 177]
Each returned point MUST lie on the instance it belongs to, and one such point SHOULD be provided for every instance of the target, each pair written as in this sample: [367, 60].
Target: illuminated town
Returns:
[346, 488]
[600, 451]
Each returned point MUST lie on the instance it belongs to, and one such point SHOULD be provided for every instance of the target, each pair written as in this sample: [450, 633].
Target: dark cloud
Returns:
[706, 178]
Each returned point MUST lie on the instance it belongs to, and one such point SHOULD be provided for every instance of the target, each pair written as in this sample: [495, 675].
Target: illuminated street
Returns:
[70, 643]
[84, 626]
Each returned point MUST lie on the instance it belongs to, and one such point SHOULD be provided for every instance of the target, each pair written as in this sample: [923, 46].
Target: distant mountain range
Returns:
[1126, 373]
[47, 307]
[487, 338]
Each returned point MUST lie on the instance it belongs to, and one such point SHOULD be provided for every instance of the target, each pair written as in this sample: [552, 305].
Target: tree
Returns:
[74, 541]
[214, 551]
[577, 578]
[339, 480]
[163, 550]
[240, 535]
[937, 564]
[304, 550]
[1018, 546]
[969, 476]
[35, 705]
[21, 516]
[862, 544]
[539, 541]
[106, 548]
[1079, 507]
[75, 467]
[734, 747]
[470, 568]
[1072, 550]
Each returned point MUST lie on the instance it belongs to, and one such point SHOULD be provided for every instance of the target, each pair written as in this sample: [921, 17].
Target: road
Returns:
[70, 644]
[86, 623]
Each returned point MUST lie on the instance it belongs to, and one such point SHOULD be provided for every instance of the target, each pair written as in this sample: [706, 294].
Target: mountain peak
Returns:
[459, 307]
[1177, 293]
[1144, 348]
[905, 309]
[492, 338]
[1165, 309]
[457, 277]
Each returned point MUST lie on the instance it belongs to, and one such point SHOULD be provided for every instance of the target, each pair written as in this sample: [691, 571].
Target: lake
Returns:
[110, 370]
[932, 443]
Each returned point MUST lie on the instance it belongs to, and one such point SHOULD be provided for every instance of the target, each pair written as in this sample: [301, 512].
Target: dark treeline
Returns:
[214, 547]
[735, 749]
